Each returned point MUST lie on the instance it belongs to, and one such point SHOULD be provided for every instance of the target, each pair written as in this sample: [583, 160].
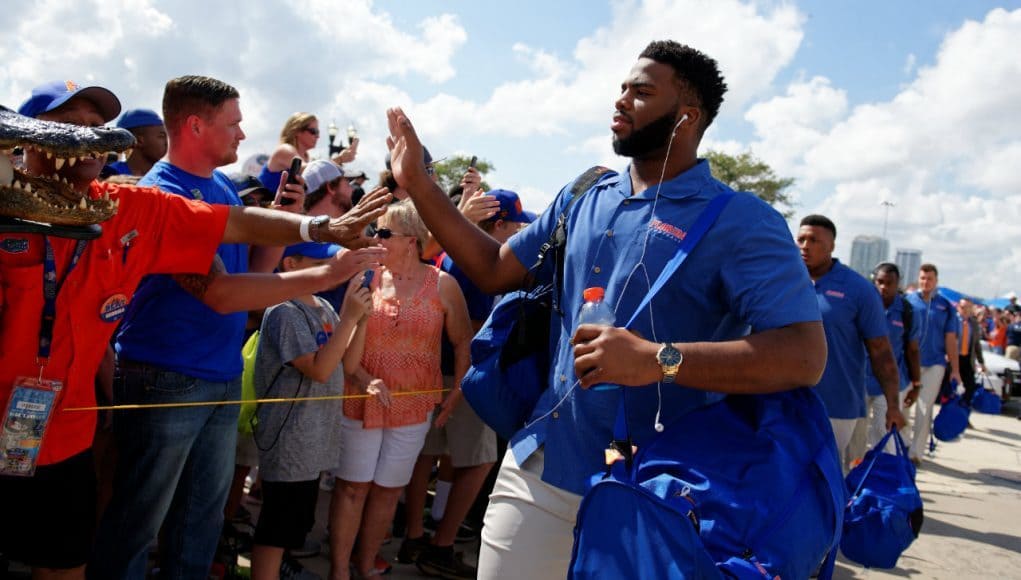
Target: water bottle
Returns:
[596, 311]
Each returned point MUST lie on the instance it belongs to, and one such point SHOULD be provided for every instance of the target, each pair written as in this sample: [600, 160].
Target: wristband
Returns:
[303, 229]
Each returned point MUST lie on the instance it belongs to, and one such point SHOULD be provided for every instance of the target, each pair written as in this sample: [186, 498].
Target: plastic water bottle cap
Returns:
[593, 294]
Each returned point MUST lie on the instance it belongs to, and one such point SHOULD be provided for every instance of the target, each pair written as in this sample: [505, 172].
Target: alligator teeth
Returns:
[6, 171]
[71, 161]
[117, 203]
[28, 187]
[16, 184]
[127, 153]
[49, 155]
[83, 204]
[60, 163]
[106, 196]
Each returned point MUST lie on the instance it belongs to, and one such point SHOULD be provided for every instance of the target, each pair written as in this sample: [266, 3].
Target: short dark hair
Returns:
[314, 197]
[927, 267]
[820, 221]
[193, 95]
[886, 268]
[696, 71]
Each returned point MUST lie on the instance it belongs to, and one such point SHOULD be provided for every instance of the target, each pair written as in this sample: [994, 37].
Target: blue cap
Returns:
[139, 118]
[48, 97]
[510, 207]
[314, 250]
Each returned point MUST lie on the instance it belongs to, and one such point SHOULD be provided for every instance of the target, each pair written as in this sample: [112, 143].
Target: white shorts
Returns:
[384, 456]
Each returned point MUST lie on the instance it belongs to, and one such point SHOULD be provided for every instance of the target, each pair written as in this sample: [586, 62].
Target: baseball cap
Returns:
[510, 207]
[319, 172]
[428, 158]
[139, 118]
[246, 184]
[355, 174]
[314, 250]
[48, 97]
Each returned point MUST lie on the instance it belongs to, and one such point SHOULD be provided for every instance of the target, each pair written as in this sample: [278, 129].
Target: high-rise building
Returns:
[866, 252]
[908, 261]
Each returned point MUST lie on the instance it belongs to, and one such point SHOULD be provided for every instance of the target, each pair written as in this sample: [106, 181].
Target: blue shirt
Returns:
[937, 317]
[168, 327]
[119, 168]
[270, 179]
[895, 331]
[852, 312]
[746, 272]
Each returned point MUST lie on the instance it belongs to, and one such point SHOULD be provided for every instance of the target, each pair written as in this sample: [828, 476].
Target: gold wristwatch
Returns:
[670, 360]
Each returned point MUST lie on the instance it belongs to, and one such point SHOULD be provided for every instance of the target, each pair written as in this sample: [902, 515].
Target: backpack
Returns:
[986, 400]
[762, 496]
[510, 354]
[884, 514]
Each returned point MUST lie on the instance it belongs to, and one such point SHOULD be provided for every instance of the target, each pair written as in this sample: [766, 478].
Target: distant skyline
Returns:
[913, 102]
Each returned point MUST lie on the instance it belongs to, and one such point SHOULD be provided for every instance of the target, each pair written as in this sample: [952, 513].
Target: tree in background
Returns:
[745, 172]
[452, 169]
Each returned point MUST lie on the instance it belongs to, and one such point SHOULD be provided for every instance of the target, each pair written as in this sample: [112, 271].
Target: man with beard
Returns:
[745, 273]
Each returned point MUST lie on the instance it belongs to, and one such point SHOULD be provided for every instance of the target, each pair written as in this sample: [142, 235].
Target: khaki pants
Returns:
[932, 378]
[529, 526]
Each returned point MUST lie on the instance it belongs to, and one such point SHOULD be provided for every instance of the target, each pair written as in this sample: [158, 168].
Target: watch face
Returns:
[669, 356]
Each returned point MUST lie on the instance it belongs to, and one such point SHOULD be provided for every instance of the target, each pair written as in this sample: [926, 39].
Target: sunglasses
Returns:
[387, 233]
[312, 130]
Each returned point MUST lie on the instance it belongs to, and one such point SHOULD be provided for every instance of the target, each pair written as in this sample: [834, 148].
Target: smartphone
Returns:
[471, 164]
[367, 281]
[292, 177]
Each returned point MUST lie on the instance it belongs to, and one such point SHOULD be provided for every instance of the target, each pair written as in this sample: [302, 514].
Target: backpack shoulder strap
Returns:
[558, 238]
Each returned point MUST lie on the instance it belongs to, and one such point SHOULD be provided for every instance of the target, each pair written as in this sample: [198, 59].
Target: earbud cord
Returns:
[658, 426]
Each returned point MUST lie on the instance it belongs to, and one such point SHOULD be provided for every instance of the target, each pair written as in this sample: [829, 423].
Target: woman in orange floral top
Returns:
[412, 304]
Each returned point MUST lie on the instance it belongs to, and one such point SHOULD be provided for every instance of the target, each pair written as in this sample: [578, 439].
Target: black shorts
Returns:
[288, 513]
[49, 519]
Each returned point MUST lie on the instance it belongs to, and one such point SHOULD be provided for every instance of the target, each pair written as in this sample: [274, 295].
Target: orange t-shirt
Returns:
[153, 232]
[402, 347]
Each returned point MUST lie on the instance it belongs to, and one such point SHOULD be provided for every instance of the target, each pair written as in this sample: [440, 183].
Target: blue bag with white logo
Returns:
[952, 419]
[884, 514]
[748, 487]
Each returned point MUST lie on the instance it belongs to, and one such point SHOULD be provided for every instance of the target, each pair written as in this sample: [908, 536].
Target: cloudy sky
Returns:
[913, 102]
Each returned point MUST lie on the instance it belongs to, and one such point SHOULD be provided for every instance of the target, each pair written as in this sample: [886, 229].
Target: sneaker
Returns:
[312, 547]
[444, 563]
[291, 569]
[411, 548]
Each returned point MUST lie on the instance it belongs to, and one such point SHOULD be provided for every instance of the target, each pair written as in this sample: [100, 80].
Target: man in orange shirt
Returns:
[49, 517]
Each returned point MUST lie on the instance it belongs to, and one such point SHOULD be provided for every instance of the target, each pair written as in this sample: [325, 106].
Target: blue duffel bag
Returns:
[986, 401]
[885, 512]
[952, 419]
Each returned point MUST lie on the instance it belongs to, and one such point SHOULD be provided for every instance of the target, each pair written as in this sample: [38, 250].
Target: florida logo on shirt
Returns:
[835, 293]
[324, 335]
[668, 229]
[113, 308]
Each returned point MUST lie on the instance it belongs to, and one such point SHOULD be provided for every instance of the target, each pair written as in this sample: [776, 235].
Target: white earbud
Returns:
[657, 425]
[683, 118]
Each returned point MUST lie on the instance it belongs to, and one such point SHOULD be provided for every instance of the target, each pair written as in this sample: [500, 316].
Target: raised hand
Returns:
[348, 230]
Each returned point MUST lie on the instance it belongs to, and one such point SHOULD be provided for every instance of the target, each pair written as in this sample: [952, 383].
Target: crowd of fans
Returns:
[391, 329]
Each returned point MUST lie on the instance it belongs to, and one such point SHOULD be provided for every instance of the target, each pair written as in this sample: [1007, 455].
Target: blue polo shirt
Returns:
[936, 318]
[120, 168]
[895, 331]
[745, 273]
[852, 312]
[169, 328]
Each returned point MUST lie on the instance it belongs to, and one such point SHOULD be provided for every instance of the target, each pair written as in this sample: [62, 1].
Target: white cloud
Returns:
[945, 149]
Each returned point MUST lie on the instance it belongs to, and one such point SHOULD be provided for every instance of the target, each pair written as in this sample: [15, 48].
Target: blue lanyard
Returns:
[51, 287]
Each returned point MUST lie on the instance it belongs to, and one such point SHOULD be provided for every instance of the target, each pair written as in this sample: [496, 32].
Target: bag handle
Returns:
[900, 451]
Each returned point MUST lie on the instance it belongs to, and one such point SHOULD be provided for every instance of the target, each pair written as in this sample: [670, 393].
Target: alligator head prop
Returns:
[51, 199]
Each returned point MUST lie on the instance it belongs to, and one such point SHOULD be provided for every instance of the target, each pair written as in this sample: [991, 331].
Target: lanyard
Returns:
[51, 287]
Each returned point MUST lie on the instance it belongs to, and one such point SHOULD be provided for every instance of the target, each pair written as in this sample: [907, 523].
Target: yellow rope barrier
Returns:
[244, 402]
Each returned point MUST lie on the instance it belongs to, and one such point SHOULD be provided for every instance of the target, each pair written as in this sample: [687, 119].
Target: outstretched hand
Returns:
[407, 158]
[348, 230]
